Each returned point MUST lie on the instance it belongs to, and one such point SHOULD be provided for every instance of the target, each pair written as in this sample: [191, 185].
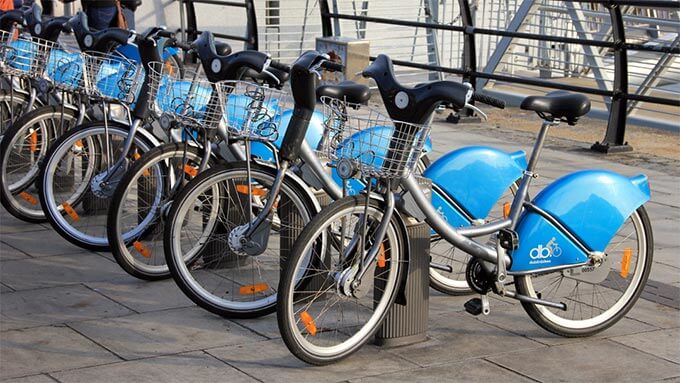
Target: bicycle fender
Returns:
[468, 182]
[149, 136]
[591, 204]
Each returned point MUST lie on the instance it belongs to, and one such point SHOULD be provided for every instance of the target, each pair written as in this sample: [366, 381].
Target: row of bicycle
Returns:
[259, 190]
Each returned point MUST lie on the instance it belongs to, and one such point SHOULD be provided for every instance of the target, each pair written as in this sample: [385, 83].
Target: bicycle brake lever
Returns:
[477, 110]
[270, 74]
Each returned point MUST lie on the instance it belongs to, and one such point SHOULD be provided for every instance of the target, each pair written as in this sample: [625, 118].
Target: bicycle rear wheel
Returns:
[198, 232]
[319, 322]
[74, 165]
[143, 197]
[596, 297]
[23, 149]
[11, 107]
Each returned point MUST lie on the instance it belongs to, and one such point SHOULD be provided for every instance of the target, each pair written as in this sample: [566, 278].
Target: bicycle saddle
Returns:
[9, 18]
[99, 41]
[416, 104]
[558, 105]
[346, 90]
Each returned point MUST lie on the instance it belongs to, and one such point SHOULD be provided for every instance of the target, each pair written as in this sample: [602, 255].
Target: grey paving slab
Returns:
[9, 253]
[45, 349]
[41, 244]
[4, 289]
[142, 296]
[456, 336]
[41, 378]
[164, 332]
[595, 361]
[662, 343]
[53, 305]
[514, 319]
[265, 326]
[664, 272]
[9, 224]
[181, 368]
[477, 370]
[270, 361]
[58, 270]
[654, 314]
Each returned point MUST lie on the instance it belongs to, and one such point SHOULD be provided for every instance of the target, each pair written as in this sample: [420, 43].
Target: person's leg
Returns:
[129, 17]
[100, 18]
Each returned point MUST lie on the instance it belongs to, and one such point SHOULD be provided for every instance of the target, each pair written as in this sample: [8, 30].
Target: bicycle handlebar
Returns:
[488, 100]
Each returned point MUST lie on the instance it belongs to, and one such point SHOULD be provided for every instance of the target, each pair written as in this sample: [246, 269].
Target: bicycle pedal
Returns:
[476, 306]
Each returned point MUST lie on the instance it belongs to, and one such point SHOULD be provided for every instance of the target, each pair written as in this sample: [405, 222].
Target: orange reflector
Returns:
[308, 322]
[190, 170]
[506, 210]
[143, 250]
[381, 256]
[79, 144]
[136, 156]
[34, 141]
[625, 262]
[169, 69]
[28, 198]
[69, 210]
[253, 289]
[257, 191]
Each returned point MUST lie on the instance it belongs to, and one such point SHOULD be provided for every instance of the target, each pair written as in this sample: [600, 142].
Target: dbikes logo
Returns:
[543, 254]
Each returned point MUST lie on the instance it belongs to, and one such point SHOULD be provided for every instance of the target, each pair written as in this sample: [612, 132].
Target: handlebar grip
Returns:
[183, 46]
[331, 66]
[500, 104]
[280, 66]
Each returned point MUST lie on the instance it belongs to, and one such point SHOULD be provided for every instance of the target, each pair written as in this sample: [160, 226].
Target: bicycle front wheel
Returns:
[78, 179]
[137, 214]
[319, 322]
[199, 231]
[23, 149]
[599, 296]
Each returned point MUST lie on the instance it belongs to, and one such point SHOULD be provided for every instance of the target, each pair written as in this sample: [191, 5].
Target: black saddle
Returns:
[222, 48]
[558, 105]
[347, 90]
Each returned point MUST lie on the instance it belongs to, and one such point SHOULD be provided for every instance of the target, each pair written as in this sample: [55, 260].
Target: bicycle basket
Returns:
[254, 111]
[110, 77]
[25, 57]
[191, 100]
[374, 144]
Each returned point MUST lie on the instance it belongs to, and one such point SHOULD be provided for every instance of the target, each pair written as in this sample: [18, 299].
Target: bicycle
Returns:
[357, 245]
[224, 233]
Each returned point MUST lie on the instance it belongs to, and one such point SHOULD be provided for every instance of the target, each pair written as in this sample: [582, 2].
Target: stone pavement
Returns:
[69, 315]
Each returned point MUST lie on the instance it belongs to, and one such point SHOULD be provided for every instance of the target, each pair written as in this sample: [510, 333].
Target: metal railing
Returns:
[587, 43]
[190, 30]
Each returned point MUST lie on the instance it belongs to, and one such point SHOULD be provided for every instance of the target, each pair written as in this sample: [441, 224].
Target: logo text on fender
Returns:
[543, 254]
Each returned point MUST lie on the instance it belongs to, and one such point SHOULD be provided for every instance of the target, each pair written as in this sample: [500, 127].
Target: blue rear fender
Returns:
[474, 178]
[592, 204]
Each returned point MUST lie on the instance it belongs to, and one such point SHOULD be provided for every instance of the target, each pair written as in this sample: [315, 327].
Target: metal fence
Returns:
[622, 53]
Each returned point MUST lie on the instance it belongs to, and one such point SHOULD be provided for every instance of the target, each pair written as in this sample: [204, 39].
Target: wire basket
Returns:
[375, 145]
[64, 70]
[255, 112]
[110, 77]
[25, 57]
[192, 100]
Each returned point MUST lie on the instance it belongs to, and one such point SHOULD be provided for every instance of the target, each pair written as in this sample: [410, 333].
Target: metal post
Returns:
[469, 61]
[251, 26]
[616, 126]
[326, 26]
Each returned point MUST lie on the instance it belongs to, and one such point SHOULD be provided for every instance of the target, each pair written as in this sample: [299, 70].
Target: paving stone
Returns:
[53, 305]
[477, 370]
[666, 267]
[600, 360]
[189, 367]
[265, 326]
[662, 343]
[142, 296]
[270, 361]
[41, 244]
[514, 319]
[665, 235]
[9, 224]
[9, 253]
[45, 349]
[58, 270]
[456, 336]
[4, 289]
[654, 314]
[164, 332]
[41, 378]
